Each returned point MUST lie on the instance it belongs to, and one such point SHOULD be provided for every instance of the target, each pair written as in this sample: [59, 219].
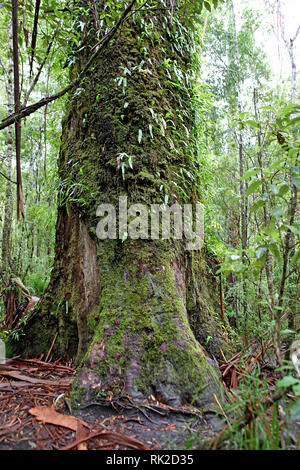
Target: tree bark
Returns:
[132, 311]
[266, 209]
[7, 223]
[243, 189]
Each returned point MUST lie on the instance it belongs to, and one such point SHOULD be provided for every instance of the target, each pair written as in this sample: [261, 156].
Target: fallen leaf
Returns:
[81, 433]
[49, 415]
[25, 378]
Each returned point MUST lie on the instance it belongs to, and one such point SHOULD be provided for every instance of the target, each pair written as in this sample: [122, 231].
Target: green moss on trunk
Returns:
[131, 309]
[142, 341]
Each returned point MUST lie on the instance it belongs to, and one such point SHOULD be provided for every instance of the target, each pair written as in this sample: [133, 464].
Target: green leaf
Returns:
[151, 130]
[277, 212]
[260, 252]
[287, 381]
[287, 332]
[257, 205]
[242, 115]
[253, 186]
[275, 251]
[250, 172]
[295, 410]
[274, 189]
[296, 389]
[125, 236]
[276, 165]
[140, 136]
[252, 123]
[294, 121]
[295, 170]
[295, 257]
[283, 189]
[207, 6]
[296, 181]
[294, 229]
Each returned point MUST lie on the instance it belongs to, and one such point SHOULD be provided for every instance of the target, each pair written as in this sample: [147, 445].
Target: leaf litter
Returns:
[35, 414]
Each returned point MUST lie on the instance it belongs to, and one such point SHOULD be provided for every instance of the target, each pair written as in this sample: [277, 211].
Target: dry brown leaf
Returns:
[81, 433]
[32, 302]
[49, 415]
[32, 380]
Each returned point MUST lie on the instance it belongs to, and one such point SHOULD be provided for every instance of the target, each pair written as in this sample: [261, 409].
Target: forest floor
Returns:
[35, 414]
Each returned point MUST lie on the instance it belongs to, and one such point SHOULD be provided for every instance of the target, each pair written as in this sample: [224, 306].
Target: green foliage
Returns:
[14, 333]
[291, 381]
[124, 162]
[271, 189]
[200, 69]
[262, 432]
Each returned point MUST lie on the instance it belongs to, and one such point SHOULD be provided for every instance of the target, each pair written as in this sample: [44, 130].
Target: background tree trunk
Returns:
[7, 223]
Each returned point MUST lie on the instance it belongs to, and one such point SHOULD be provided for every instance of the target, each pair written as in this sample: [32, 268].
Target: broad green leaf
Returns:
[294, 121]
[296, 389]
[296, 181]
[275, 251]
[274, 189]
[277, 212]
[253, 186]
[276, 165]
[260, 252]
[207, 6]
[283, 189]
[295, 170]
[242, 115]
[287, 332]
[252, 123]
[257, 205]
[294, 229]
[287, 381]
[295, 257]
[250, 172]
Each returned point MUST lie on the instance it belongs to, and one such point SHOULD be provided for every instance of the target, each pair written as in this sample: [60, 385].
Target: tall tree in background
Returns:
[289, 44]
[8, 209]
[243, 195]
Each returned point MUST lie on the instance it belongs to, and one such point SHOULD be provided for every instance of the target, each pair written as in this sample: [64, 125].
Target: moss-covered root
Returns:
[142, 341]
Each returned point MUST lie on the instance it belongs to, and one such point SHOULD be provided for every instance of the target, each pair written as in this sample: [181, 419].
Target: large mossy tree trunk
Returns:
[132, 311]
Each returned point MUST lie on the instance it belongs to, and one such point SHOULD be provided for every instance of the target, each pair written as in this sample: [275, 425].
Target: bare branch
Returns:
[20, 207]
[7, 178]
[36, 78]
[24, 112]
[296, 34]
[34, 32]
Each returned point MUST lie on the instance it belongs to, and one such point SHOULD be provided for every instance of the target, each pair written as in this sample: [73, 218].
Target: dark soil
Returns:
[26, 384]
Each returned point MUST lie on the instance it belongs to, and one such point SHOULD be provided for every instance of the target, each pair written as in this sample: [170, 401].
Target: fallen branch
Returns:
[112, 436]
